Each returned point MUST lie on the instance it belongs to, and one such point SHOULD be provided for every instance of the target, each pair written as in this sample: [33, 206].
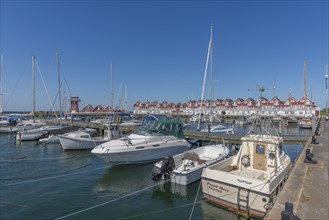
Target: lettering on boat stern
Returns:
[216, 187]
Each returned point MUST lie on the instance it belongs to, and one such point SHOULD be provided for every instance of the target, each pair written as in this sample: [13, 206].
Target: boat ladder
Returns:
[243, 201]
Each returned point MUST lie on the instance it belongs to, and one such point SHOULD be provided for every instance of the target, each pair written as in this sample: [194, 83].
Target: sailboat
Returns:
[306, 121]
[211, 127]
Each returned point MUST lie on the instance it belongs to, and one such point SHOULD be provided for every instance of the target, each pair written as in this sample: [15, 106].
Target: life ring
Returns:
[245, 160]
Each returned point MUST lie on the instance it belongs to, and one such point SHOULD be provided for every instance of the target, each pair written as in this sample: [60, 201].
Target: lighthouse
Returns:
[74, 107]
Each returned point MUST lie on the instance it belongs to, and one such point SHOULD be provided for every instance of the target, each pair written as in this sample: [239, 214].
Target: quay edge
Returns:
[307, 186]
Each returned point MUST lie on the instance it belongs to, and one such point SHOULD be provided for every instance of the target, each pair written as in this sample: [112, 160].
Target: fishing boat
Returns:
[186, 168]
[248, 182]
[151, 142]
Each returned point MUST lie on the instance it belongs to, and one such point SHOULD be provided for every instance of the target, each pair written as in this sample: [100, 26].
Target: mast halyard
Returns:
[205, 77]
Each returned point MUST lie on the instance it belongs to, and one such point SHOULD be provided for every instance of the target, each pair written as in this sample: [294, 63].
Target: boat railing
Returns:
[275, 171]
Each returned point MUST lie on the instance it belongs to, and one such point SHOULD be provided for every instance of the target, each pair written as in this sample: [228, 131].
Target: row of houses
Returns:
[239, 106]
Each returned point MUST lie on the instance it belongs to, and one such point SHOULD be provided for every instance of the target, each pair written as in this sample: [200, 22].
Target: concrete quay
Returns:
[307, 186]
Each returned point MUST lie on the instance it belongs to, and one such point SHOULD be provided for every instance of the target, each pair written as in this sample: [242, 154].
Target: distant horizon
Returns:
[157, 50]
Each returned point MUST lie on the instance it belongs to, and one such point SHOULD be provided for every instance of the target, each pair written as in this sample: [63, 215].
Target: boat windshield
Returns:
[162, 128]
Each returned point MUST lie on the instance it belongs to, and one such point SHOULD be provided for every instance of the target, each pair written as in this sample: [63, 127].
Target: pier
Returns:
[307, 186]
[236, 138]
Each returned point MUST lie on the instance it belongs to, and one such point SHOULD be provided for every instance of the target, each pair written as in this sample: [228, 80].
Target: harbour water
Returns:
[44, 182]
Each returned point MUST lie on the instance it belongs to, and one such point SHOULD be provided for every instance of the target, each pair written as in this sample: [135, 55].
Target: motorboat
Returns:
[34, 134]
[219, 129]
[248, 182]
[305, 123]
[151, 142]
[80, 140]
[186, 168]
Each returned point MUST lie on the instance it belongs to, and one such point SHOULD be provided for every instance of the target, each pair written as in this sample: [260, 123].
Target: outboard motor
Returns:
[163, 168]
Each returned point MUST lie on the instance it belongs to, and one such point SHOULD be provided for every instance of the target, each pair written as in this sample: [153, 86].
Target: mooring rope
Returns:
[55, 177]
[107, 202]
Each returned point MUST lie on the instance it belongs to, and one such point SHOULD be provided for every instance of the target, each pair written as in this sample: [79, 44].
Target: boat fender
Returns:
[245, 160]
[268, 206]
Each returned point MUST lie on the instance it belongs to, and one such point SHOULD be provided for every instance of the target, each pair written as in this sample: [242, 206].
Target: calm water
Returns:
[44, 182]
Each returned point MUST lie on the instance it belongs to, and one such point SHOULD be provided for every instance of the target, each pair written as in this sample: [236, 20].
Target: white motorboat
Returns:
[80, 140]
[305, 123]
[219, 129]
[186, 168]
[35, 134]
[152, 141]
[248, 182]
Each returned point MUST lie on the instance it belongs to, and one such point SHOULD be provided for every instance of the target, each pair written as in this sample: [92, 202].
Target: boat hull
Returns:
[68, 143]
[142, 156]
[246, 196]
[30, 135]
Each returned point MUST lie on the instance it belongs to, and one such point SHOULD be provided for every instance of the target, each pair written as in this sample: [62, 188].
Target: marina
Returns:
[83, 186]
[180, 144]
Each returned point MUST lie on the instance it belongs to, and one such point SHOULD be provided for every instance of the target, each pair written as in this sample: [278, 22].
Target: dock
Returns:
[236, 138]
[307, 186]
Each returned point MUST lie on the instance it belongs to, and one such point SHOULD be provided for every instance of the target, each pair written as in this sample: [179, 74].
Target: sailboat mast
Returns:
[305, 86]
[33, 87]
[326, 89]
[1, 92]
[59, 85]
[112, 94]
[205, 77]
[211, 79]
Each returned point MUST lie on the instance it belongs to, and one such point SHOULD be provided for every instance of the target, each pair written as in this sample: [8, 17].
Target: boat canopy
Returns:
[162, 128]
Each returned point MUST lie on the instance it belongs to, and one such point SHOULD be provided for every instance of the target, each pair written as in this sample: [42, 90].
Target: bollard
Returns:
[285, 215]
[289, 207]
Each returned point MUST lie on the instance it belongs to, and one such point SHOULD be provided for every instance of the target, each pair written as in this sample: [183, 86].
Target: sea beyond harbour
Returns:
[41, 181]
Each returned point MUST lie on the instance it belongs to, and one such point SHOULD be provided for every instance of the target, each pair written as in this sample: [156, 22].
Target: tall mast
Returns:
[112, 94]
[59, 86]
[205, 77]
[326, 89]
[126, 90]
[1, 92]
[211, 77]
[33, 87]
[305, 86]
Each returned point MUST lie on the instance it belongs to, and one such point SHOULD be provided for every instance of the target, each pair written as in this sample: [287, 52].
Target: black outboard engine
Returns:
[163, 168]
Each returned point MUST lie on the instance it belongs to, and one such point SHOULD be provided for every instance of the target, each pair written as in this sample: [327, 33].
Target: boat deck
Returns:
[253, 174]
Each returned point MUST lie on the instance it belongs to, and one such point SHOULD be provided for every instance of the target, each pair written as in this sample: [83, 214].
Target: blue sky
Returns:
[158, 49]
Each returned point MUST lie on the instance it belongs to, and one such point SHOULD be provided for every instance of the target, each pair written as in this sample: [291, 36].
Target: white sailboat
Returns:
[248, 182]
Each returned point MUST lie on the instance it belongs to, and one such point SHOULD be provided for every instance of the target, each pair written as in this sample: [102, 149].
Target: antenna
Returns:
[258, 119]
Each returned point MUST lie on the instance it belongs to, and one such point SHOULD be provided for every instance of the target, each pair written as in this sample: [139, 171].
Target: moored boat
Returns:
[80, 140]
[248, 182]
[187, 167]
[152, 141]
